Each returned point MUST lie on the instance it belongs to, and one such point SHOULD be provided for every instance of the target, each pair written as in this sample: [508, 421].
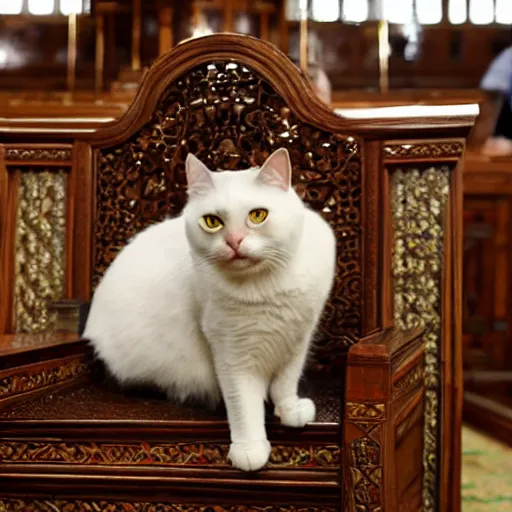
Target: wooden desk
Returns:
[488, 293]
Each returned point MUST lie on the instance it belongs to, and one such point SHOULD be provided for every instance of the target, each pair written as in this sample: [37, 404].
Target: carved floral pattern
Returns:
[40, 248]
[365, 410]
[38, 154]
[30, 380]
[418, 201]
[109, 506]
[232, 119]
[431, 149]
[365, 457]
[158, 454]
[409, 381]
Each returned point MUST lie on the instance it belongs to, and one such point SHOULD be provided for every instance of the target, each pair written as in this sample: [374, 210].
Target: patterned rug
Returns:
[486, 473]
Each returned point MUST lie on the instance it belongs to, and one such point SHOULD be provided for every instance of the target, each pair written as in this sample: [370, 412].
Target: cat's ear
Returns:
[199, 179]
[277, 170]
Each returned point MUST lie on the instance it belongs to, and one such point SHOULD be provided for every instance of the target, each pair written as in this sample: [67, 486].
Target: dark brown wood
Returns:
[292, 85]
[384, 422]
[489, 414]
[9, 184]
[372, 212]
[83, 202]
[386, 298]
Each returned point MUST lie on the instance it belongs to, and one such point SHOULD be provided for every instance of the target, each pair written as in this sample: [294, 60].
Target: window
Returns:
[325, 10]
[355, 11]
[11, 6]
[504, 11]
[70, 7]
[44, 7]
[429, 12]
[41, 7]
[397, 12]
[481, 12]
[457, 12]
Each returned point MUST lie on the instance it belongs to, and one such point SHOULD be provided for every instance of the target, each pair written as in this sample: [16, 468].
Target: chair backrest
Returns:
[232, 100]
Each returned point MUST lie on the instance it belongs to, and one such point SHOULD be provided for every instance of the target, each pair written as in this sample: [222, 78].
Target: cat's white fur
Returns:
[174, 309]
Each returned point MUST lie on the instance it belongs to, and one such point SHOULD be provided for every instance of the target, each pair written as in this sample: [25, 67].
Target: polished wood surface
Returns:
[359, 161]
[487, 298]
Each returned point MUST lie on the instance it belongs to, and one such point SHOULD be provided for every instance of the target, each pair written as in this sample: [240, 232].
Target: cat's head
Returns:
[245, 221]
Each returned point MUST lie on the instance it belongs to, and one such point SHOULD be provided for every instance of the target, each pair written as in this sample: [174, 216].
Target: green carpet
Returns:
[486, 473]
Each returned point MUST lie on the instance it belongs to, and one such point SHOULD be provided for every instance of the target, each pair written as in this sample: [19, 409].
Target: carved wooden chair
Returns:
[390, 189]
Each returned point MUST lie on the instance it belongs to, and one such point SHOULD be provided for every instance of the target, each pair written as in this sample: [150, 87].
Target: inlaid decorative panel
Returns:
[118, 506]
[159, 454]
[39, 247]
[418, 200]
[42, 375]
[365, 457]
[231, 119]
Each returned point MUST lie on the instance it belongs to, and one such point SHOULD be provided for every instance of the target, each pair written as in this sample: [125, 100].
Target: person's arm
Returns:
[496, 85]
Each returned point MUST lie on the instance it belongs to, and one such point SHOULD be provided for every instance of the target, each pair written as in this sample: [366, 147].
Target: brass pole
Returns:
[136, 28]
[100, 54]
[165, 30]
[303, 36]
[72, 31]
[383, 36]
[264, 29]
[283, 29]
[228, 15]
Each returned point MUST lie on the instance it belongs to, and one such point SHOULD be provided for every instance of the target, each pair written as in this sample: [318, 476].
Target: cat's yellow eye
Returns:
[211, 223]
[258, 216]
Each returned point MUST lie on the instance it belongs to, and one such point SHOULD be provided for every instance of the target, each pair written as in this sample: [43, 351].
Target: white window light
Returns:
[325, 10]
[481, 12]
[355, 11]
[68, 7]
[457, 12]
[429, 12]
[11, 6]
[504, 12]
[41, 7]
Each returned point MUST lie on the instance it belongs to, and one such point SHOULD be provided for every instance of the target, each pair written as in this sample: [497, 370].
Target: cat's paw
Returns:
[296, 412]
[250, 456]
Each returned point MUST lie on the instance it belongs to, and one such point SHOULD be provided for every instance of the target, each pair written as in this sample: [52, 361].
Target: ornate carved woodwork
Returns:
[379, 426]
[159, 454]
[231, 118]
[39, 376]
[38, 154]
[418, 200]
[232, 100]
[40, 239]
[115, 506]
[445, 150]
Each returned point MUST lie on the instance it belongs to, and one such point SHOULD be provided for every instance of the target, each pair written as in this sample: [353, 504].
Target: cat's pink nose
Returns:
[234, 240]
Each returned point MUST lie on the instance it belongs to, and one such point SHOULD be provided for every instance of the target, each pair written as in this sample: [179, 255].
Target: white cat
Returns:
[222, 300]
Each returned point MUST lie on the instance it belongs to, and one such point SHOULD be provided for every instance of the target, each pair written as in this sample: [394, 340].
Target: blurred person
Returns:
[497, 83]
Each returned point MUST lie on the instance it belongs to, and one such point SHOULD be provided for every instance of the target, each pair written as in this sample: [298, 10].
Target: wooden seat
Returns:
[389, 186]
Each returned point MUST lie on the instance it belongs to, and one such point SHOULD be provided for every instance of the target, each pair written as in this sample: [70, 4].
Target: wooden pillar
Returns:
[72, 31]
[136, 30]
[264, 29]
[229, 8]
[165, 35]
[100, 53]
[383, 37]
[283, 29]
[303, 36]
[446, 5]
